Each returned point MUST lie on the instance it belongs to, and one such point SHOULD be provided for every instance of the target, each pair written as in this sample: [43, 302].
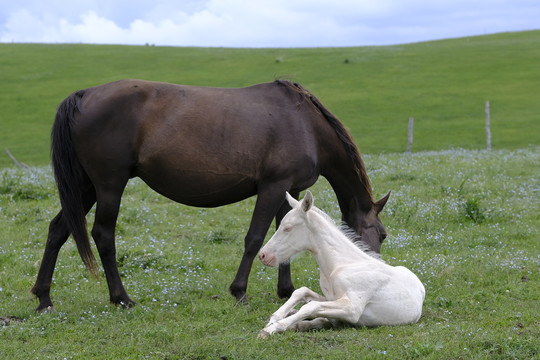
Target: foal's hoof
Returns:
[263, 334]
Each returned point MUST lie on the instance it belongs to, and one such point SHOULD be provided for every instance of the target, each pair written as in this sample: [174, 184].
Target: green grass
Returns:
[466, 222]
[374, 90]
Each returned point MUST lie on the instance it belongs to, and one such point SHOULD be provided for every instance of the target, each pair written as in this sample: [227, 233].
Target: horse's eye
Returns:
[287, 228]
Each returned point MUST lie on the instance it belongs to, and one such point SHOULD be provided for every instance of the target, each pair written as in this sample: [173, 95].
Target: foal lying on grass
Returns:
[358, 288]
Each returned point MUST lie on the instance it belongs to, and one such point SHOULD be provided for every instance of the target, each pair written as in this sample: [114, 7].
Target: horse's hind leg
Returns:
[58, 234]
[108, 205]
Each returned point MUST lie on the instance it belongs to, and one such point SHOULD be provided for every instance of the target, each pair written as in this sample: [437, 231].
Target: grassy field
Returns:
[466, 222]
[463, 219]
[443, 84]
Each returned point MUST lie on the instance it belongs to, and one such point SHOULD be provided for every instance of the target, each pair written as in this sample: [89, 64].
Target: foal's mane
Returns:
[357, 241]
[349, 234]
[343, 134]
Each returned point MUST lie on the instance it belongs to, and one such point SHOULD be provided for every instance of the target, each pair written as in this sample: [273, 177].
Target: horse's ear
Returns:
[292, 201]
[307, 203]
[379, 205]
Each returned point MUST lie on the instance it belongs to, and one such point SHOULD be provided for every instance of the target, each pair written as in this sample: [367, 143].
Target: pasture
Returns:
[374, 90]
[466, 222]
[463, 219]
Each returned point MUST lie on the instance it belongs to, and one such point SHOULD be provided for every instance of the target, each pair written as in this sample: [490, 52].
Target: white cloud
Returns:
[260, 23]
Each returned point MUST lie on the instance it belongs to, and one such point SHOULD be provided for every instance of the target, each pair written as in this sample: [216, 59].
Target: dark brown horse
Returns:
[202, 147]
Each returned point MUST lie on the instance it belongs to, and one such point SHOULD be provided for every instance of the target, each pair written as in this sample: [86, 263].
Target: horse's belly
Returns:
[202, 189]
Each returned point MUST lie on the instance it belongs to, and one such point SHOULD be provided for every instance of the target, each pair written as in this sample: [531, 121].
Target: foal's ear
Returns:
[379, 205]
[307, 203]
[292, 201]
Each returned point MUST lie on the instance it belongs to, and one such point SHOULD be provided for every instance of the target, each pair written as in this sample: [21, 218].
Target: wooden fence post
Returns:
[409, 144]
[488, 130]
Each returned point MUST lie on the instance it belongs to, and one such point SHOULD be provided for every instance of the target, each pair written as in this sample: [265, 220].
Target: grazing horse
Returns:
[358, 289]
[202, 147]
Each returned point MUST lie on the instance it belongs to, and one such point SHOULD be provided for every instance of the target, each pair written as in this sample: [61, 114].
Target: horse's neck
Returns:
[353, 195]
[332, 248]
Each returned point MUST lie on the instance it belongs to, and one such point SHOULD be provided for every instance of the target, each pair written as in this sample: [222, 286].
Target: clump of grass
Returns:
[221, 236]
[473, 211]
[470, 207]
[137, 259]
[23, 184]
[422, 349]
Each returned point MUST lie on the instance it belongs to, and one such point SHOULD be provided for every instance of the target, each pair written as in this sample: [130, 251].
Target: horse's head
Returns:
[292, 236]
[368, 225]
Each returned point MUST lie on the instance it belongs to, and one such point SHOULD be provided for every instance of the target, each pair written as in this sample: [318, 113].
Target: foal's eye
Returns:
[287, 228]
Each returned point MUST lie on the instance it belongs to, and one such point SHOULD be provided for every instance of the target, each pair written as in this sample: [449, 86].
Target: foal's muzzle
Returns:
[267, 259]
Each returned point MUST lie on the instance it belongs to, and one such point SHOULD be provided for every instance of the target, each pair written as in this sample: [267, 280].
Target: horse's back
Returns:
[198, 145]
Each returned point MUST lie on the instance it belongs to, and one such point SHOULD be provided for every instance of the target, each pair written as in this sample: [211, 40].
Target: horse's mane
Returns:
[349, 234]
[342, 132]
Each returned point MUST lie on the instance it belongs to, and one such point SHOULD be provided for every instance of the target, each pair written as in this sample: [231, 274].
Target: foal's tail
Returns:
[69, 176]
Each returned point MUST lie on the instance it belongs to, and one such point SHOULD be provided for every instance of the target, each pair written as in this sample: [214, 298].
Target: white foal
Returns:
[358, 289]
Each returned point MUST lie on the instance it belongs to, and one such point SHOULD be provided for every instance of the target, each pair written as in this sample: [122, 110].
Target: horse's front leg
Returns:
[270, 197]
[285, 287]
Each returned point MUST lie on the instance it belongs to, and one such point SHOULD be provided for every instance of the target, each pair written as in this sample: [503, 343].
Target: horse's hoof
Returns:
[127, 305]
[263, 334]
[45, 309]
[285, 293]
[123, 302]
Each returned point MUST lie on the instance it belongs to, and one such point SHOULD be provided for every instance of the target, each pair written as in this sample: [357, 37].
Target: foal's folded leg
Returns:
[299, 296]
[341, 309]
[315, 324]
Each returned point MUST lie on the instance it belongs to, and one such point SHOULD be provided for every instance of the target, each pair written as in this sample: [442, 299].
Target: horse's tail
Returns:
[341, 131]
[70, 176]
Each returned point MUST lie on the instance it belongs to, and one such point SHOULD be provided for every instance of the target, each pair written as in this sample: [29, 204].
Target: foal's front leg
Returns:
[342, 309]
[299, 296]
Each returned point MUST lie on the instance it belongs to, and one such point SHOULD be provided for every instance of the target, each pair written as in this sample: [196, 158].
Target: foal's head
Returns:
[292, 236]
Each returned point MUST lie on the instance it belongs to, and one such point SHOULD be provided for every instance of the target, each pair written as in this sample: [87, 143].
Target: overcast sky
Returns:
[260, 23]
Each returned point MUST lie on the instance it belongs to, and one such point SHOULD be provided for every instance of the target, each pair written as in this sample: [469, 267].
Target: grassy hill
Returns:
[374, 90]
